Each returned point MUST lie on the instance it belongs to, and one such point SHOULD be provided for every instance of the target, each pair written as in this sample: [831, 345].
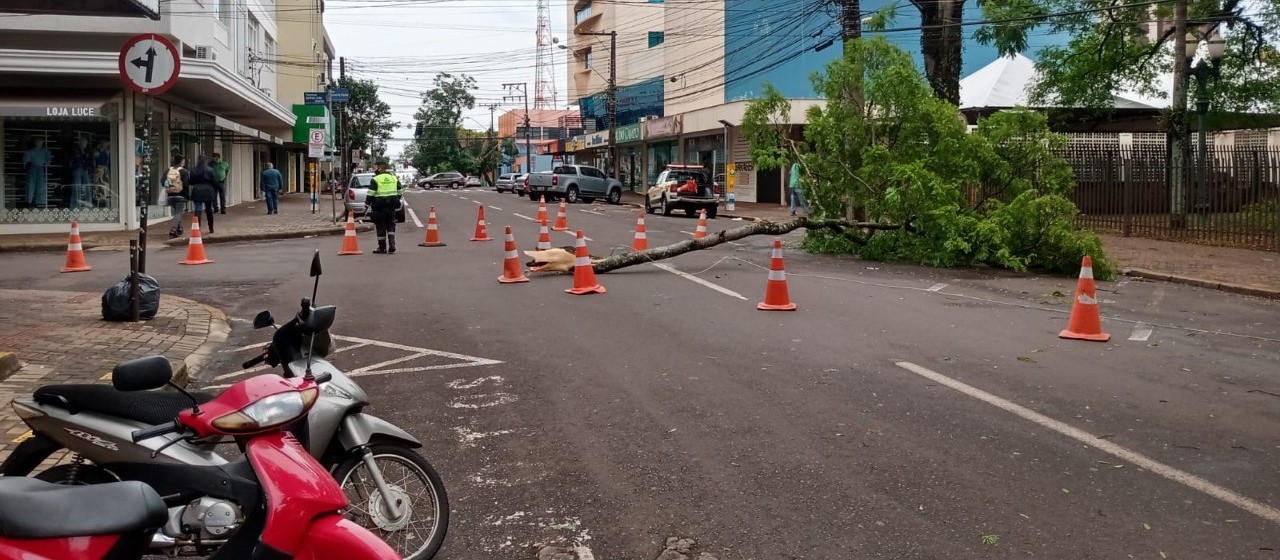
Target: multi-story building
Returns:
[61, 97]
[304, 58]
[545, 127]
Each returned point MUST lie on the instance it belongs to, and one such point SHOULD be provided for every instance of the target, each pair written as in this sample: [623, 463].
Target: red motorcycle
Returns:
[296, 517]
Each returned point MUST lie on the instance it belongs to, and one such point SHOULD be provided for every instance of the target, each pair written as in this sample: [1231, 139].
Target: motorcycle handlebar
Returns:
[148, 433]
[254, 361]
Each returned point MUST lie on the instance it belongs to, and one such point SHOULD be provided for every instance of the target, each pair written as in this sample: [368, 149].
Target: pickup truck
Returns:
[573, 183]
[683, 186]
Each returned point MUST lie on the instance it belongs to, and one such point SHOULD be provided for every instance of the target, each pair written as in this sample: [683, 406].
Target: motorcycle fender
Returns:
[362, 429]
[334, 537]
[298, 490]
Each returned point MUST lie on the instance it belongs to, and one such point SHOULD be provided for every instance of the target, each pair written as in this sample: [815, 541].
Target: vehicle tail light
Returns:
[526, 181]
[351, 195]
[555, 180]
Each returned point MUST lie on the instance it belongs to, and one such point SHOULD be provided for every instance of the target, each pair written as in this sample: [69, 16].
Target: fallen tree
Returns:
[857, 232]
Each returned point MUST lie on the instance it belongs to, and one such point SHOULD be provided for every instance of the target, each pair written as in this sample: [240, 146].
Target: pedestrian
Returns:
[384, 200]
[204, 190]
[220, 171]
[271, 183]
[175, 188]
[797, 197]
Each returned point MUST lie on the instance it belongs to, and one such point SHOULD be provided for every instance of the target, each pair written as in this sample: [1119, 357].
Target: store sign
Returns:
[666, 126]
[69, 111]
[598, 139]
[578, 143]
[629, 134]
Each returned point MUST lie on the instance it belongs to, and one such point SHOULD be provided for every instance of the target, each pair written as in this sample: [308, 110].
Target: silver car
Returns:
[506, 182]
[358, 190]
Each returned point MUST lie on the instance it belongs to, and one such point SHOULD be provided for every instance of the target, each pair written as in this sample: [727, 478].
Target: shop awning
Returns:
[228, 124]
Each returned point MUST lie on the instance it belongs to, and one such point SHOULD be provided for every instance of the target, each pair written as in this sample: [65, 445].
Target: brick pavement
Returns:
[60, 337]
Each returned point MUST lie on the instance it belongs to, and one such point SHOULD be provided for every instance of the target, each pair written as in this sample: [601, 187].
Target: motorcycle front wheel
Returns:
[419, 529]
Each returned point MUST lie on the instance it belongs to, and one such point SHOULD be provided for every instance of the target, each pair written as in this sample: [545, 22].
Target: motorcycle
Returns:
[291, 514]
[393, 490]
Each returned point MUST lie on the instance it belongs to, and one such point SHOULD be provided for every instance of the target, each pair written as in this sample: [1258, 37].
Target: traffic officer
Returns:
[384, 201]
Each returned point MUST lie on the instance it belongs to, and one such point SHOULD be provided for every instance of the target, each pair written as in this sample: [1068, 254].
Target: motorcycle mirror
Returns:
[315, 264]
[142, 374]
[263, 320]
[320, 319]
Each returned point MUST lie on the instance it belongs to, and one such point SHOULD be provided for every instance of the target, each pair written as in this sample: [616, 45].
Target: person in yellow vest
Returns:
[384, 201]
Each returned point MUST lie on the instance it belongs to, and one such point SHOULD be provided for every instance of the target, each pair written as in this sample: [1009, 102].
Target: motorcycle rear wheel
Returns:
[418, 532]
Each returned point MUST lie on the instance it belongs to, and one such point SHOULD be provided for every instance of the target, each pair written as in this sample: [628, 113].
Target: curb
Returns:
[1203, 283]
[42, 247]
[189, 367]
[294, 234]
[9, 364]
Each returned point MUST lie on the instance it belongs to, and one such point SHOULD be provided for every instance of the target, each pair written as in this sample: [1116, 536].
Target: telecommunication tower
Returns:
[544, 91]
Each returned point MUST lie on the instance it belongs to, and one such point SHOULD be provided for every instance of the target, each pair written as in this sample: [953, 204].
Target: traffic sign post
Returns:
[315, 149]
[149, 64]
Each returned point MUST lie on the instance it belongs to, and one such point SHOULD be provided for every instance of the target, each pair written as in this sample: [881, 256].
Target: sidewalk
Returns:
[247, 221]
[1241, 271]
[60, 337]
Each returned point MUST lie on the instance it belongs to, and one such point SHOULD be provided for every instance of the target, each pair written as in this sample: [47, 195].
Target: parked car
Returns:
[506, 182]
[473, 181]
[357, 191]
[520, 184]
[451, 179]
[682, 186]
[574, 182]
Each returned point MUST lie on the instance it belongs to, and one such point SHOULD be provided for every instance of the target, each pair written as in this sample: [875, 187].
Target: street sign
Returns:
[314, 98]
[149, 64]
[340, 95]
[316, 136]
[315, 150]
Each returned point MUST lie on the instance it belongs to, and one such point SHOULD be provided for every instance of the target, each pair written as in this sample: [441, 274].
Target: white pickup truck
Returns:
[573, 183]
[683, 186]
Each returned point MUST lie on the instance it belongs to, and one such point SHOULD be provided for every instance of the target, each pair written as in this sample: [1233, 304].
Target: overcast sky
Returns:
[402, 45]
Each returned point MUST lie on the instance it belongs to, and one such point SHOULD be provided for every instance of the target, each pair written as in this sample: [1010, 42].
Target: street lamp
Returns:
[1203, 71]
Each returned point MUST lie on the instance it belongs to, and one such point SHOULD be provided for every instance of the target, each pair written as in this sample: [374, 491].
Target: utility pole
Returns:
[345, 146]
[1177, 129]
[850, 19]
[611, 93]
[523, 88]
[493, 147]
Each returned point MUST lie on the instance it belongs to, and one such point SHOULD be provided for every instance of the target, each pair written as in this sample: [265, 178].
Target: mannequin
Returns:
[81, 170]
[36, 160]
[101, 162]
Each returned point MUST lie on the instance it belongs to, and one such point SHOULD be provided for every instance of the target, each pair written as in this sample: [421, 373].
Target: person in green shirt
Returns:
[797, 198]
[220, 170]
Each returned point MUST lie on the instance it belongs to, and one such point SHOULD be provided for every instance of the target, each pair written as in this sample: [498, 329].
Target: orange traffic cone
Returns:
[511, 270]
[584, 277]
[349, 244]
[75, 252]
[433, 231]
[562, 218]
[701, 232]
[775, 293]
[544, 236]
[641, 241]
[1085, 322]
[482, 234]
[542, 209]
[195, 245]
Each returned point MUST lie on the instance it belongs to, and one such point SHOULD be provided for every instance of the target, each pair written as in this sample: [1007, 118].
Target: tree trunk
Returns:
[850, 20]
[760, 227]
[941, 41]
[1176, 122]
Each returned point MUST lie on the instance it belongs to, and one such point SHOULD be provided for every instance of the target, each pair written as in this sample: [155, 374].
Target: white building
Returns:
[60, 89]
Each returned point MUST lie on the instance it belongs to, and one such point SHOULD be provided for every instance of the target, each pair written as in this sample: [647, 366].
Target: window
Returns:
[269, 50]
[224, 10]
[586, 58]
[582, 14]
[656, 38]
[55, 169]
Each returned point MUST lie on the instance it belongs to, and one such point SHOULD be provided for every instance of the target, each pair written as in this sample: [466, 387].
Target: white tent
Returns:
[1005, 83]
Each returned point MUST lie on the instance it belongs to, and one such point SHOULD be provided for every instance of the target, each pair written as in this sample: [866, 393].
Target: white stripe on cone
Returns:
[1087, 272]
[640, 235]
[74, 247]
[777, 275]
[582, 261]
[512, 255]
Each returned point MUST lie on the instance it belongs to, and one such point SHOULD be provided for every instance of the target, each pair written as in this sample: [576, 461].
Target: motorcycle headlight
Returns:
[268, 412]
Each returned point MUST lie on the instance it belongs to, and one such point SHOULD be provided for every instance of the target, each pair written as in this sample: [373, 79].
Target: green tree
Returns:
[997, 196]
[368, 116]
[438, 129]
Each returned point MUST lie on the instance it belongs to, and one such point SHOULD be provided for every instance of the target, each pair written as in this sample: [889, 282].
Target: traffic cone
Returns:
[562, 218]
[482, 234]
[75, 252]
[584, 277]
[544, 236]
[195, 245]
[542, 209]
[701, 232]
[1085, 322]
[511, 270]
[641, 241]
[349, 244]
[775, 293]
[433, 231]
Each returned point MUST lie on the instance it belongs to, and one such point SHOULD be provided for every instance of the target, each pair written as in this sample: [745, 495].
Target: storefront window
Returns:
[661, 154]
[707, 151]
[56, 165]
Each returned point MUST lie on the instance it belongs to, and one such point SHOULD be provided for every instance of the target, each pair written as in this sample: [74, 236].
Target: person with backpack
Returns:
[204, 190]
[175, 187]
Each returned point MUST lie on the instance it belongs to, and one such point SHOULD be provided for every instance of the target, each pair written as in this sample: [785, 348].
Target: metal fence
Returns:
[1126, 190]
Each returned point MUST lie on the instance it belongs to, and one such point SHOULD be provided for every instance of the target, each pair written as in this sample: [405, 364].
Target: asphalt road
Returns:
[901, 412]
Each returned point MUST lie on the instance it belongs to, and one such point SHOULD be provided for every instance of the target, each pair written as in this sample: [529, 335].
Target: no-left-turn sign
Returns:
[149, 64]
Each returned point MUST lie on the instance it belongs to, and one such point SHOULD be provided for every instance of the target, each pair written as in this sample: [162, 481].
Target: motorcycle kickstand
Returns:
[387, 498]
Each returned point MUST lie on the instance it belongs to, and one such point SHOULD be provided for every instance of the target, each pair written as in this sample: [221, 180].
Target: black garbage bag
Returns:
[115, 301]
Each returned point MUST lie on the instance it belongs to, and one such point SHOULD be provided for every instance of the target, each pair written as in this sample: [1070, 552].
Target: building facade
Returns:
[73, 136]
[304, 60]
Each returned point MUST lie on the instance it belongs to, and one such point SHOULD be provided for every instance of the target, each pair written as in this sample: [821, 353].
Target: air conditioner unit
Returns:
[205, 52]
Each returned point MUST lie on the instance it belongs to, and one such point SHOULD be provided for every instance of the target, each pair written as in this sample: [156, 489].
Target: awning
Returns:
[228, 124]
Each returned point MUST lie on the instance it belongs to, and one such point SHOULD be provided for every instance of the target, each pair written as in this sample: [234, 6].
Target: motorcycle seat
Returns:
[34, 509]
[148, 407]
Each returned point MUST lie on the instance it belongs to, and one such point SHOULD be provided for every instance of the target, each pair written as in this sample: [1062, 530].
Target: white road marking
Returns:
[259, 367]
[416, 221]
[522, 216]
[495, 208]
[468, 437]
[936, 288]
[463, 384]
[1137, 459]
[686, 232]
[1141, 333]
[482, 401]
[591, 212]
[696, 280]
